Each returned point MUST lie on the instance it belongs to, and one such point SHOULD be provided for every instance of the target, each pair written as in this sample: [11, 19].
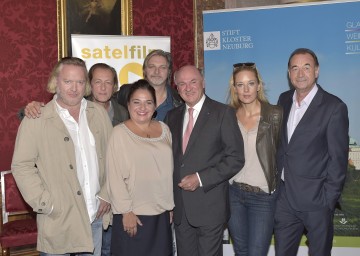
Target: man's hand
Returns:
[103, 208]
[130, 222]
[32, 110]
[189, 182]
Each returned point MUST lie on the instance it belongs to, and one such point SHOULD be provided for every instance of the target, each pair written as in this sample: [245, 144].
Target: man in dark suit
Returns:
[213, 154]
[312, 158]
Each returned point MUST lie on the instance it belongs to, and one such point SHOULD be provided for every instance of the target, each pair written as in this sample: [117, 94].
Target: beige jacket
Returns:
[44, 167]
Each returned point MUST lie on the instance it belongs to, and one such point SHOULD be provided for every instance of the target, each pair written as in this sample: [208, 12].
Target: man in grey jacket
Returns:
[59, 167]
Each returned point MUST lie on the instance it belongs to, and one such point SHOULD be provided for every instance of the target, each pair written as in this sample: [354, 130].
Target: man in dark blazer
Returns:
[214, 154]
[312, 159]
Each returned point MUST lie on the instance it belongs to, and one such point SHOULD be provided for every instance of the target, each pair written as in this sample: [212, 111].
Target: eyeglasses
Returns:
[244, 64]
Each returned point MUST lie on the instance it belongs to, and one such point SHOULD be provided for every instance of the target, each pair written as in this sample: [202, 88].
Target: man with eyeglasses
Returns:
[157, 71]
[59, 165]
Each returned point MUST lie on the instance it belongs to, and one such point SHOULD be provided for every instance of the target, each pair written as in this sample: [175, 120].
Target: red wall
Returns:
[28, 51]
[164, 18]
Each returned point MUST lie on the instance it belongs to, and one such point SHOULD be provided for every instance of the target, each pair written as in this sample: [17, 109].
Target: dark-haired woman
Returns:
[140, 167]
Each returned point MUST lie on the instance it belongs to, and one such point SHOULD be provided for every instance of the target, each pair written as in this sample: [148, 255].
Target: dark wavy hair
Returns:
[141, 84]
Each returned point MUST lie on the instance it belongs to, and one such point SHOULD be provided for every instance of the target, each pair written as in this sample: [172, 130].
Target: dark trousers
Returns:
[153, 238]
[290, 225]
[198, 241]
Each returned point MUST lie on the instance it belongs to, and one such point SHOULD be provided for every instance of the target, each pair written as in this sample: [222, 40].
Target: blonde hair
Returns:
[233, 98]
[52, 83]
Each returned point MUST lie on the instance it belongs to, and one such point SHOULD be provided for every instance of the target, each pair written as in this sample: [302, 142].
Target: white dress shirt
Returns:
[87, 166]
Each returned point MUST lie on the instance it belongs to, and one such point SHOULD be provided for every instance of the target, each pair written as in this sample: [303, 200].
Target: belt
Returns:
[248, 188]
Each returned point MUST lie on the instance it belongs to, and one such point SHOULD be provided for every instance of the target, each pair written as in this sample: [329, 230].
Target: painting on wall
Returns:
[91, 17]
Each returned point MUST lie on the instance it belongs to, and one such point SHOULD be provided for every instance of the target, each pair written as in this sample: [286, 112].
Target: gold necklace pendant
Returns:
[143, 131]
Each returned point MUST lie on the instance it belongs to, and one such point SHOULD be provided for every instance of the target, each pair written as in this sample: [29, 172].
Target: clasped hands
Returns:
[189, 182]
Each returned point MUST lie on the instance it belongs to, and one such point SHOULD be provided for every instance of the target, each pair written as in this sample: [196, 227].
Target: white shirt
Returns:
[297, 112]
[87, 166]
[196, 113]
[252, 172]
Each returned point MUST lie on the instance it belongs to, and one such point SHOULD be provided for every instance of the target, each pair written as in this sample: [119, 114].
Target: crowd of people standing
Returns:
[176, 159]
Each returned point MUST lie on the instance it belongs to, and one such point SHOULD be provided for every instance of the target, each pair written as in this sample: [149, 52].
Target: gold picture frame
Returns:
[87, 11]
[200, 6]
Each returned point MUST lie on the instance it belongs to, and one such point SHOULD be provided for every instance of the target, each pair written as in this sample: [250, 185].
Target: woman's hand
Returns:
[171, 216]
[130, 222]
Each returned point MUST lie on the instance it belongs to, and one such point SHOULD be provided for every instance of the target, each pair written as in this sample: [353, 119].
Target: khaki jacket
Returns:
[44, 167]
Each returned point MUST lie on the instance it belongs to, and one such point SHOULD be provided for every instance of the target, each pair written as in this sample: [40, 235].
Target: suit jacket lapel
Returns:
[287, 108]
[178, 129]
[309, 114]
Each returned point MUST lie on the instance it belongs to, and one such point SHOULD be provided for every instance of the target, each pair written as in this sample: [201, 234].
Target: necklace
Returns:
[143, 131]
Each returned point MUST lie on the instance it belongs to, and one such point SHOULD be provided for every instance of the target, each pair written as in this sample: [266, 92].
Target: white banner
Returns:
[125, 53]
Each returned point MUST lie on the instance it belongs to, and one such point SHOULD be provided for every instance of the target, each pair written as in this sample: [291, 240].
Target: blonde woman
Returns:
[253, 190]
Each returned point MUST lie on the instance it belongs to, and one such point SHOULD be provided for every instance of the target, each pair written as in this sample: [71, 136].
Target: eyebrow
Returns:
[306, 64]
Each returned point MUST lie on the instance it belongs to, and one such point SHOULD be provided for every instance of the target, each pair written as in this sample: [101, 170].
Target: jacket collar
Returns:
[317, 100]
[50, 113]
[264, 122]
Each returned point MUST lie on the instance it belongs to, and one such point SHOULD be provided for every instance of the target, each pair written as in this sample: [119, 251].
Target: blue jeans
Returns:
[106, 242]
[96, 228]
[251, 222]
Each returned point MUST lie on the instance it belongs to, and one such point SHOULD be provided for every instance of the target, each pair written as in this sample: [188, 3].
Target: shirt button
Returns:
[71, 167]
[182, 165]
[79, 193]
[42, 204]
[66, 139]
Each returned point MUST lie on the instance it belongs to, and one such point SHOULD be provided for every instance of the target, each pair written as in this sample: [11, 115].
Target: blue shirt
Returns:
[166, 106]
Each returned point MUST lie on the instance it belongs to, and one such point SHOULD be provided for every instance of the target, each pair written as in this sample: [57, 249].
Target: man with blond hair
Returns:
[59, 166]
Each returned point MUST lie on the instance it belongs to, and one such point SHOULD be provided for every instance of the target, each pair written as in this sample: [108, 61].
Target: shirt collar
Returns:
[198, 105]
[307, 100]
[64, 111]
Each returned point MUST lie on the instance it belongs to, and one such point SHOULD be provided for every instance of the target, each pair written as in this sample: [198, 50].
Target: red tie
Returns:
[188, 130]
